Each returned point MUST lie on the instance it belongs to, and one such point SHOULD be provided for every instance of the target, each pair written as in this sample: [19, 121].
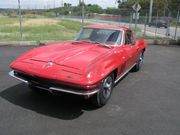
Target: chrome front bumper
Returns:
[51, 89]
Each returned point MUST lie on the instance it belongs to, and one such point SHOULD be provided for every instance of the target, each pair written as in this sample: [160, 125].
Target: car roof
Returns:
[98, 26]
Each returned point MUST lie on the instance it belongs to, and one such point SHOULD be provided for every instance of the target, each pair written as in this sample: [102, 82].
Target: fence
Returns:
[43, 27]
[159, 26]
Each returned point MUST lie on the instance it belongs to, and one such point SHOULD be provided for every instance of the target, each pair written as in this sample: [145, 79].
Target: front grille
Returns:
[46, 83]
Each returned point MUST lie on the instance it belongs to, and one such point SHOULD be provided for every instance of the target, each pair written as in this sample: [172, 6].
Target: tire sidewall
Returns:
[100, 98]
[139, 65]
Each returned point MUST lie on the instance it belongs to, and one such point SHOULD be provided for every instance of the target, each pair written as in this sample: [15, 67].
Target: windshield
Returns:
[101, 36]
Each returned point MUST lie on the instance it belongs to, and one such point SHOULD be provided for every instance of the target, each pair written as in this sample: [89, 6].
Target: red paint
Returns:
[79, 64]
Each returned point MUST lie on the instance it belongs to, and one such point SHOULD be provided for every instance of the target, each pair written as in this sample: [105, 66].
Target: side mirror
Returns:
[133, 43]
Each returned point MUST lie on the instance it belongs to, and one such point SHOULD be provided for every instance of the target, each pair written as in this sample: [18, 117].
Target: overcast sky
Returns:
[50, 3]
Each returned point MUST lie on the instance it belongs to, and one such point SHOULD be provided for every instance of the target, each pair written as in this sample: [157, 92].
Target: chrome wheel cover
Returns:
[107, 87]
[141, 58]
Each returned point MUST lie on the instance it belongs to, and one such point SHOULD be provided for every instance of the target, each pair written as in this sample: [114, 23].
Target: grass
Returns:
[38, 29]
[174, 23]
[6, 20]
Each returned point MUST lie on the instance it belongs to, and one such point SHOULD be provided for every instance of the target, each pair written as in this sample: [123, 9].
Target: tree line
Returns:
[162, 7]
[124, 8]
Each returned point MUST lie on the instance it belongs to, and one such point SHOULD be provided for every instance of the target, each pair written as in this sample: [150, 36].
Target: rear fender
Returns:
[142, 44]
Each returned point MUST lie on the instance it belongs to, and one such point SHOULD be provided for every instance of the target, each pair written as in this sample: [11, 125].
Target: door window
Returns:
[128, 38]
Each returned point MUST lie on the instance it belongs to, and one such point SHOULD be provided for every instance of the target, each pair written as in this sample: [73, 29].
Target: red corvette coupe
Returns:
[89, 66]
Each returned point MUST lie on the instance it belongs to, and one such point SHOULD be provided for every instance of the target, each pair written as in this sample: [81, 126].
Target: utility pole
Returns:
[136, 20]
[62, 3]
[145, 24]
[136, 8]
[82, 12]
[20, 19]
[54, 4]
[175, 34]
[150, 10]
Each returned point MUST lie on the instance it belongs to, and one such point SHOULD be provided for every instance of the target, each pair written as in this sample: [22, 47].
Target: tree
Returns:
[94, 9]
[67, 5]
[114, 11]
[129, 3]
[163, 7]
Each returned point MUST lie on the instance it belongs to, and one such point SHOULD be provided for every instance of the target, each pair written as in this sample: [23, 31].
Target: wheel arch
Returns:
[115, 72]
[144, 50]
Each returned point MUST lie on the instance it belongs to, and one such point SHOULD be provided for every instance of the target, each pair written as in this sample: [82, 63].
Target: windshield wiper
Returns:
[103, 45]
[96, 42]
[99, 43]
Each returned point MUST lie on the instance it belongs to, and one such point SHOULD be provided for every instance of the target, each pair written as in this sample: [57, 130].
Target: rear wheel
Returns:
[102, 97]
[139, 63]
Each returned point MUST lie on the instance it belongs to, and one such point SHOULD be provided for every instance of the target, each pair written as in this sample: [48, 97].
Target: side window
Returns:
[128, 38]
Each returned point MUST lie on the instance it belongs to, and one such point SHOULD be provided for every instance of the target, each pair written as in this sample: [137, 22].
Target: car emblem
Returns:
[48, 65]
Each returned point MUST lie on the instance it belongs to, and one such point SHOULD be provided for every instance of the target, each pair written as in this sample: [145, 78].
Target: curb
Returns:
[19, 43]
[27, 43]
[162, 41]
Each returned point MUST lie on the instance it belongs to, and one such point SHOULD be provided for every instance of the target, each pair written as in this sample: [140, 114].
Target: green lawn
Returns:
[5, 20]
[38, 29]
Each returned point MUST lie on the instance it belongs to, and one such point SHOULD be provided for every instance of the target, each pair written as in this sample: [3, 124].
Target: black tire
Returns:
[106, 87]
[139, 63]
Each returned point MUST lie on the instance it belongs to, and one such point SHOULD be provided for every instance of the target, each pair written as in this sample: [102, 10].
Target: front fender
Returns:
[104, 67]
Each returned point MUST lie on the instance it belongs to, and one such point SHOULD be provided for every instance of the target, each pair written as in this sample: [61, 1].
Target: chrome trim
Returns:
[11, 73]
[76, 93]
[124, 73]
[85, 93]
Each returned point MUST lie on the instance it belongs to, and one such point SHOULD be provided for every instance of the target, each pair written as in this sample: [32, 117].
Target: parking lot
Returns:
[143, 103]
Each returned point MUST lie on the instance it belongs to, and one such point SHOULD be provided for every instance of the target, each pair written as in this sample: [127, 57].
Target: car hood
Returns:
[76, 55]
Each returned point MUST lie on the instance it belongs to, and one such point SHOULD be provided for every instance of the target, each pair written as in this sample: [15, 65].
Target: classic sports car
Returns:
[89, 66]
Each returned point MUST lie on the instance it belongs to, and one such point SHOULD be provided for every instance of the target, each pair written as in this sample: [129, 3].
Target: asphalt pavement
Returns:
[143, 103]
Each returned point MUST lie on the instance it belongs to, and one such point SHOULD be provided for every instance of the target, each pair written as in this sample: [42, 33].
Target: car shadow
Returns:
[66, 107]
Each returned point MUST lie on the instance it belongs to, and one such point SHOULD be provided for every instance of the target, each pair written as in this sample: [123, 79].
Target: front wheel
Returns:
[139, 63]
[104, 94]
